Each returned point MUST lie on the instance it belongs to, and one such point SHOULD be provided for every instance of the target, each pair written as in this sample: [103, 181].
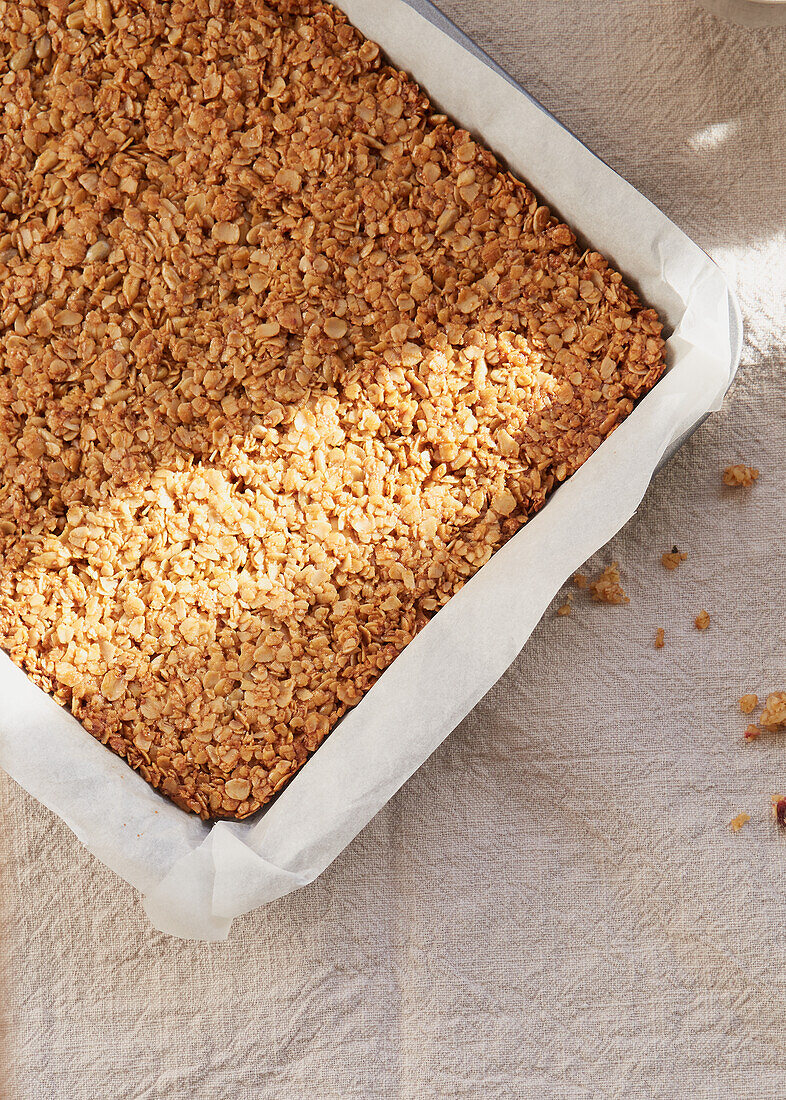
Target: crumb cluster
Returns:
[737, 823]
[702, 620]
[748, 703]
[285, 357]
[607, 587]
[673, 560]
[773, 717]
[736, 476]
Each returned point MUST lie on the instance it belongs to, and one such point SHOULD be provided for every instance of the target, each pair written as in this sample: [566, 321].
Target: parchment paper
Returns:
[197, 878]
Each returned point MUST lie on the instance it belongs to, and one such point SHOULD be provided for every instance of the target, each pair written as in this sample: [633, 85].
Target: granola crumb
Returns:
[702, 620]
[564, 610]
[673, 560]
[748, 703]
[751, 733]
[773, 717]
[660, 638]
[737, 823]
[607, 588]
[740, 475]
[779, 809]
[580, 580]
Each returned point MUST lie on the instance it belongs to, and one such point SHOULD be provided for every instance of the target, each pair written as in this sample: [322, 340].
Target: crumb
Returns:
[740, 475]
[751, 733]
[773, 717]
[702, 620]
[607, 588]
[748, 703]
[564, 610]
[779, 809]
[673, 560]
[579, 580]
[739, 821]
[660, 638]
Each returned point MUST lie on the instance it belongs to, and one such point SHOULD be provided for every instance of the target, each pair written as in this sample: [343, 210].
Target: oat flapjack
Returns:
[284, 357]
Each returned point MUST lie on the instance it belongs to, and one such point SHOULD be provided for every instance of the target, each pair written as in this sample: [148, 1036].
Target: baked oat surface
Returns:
[284, 358]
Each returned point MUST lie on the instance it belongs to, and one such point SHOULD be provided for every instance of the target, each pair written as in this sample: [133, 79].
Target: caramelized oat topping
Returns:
[737, 823]
[284, 358]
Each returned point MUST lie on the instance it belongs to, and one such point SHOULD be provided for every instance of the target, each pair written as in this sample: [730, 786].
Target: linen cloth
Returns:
[554, 906]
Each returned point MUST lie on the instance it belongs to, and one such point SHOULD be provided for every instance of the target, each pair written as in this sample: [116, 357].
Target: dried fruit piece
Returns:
[779, 809]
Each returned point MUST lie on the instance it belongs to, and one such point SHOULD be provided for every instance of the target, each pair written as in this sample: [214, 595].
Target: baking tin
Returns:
[197, 877]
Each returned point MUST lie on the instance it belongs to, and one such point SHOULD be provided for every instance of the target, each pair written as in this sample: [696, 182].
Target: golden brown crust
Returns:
[284, 358]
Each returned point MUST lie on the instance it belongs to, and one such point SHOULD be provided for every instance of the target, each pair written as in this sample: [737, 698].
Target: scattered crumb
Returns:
[739, 821]
[740, 475]
[579, 580]
[748, 703]
[779, 809]
[660, 638]
[751, 733]
[773, 717]
[607, 587]
[564, 610]
[702, 620]
[672, 561]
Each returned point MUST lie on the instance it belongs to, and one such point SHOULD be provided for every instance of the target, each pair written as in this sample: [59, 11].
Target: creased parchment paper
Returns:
[198, 877]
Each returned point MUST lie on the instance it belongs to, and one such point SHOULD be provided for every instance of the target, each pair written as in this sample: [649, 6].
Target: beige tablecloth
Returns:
[555, 905]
